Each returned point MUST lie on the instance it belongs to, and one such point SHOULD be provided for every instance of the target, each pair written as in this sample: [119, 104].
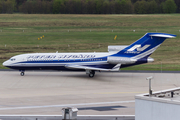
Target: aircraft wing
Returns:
[115, 68]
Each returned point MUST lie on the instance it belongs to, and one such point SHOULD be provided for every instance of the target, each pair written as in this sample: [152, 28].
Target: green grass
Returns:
[79, 38]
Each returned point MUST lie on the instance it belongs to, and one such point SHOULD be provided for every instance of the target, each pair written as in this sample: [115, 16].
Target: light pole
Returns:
[150, 91]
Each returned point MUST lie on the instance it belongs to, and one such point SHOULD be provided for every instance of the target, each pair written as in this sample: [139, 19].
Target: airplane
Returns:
[117, 57]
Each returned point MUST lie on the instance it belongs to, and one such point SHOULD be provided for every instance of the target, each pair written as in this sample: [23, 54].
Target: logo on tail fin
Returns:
[137, 49]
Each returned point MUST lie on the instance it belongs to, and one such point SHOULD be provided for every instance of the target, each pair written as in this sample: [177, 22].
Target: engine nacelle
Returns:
[116, 48]
[120, 60]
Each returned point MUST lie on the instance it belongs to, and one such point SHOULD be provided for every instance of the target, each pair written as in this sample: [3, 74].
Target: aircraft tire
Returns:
[91, 75]
[22, 73]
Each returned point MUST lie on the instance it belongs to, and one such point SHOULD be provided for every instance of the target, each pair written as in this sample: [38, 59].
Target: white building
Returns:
[161, 105]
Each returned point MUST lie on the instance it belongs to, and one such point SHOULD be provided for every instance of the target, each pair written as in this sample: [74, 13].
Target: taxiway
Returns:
[46, 93]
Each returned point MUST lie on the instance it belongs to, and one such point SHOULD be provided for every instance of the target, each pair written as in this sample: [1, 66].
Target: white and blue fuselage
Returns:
[56, 61]
[134, 54]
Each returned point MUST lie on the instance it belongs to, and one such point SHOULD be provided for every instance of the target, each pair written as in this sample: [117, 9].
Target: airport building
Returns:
[161, 105]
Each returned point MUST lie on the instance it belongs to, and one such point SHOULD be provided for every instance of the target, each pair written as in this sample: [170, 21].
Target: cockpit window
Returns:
[12, 59]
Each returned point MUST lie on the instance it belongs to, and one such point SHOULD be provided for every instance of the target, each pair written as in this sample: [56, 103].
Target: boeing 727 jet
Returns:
[117, 57]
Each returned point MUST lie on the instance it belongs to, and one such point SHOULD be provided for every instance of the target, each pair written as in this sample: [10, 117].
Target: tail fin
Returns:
[145, 46]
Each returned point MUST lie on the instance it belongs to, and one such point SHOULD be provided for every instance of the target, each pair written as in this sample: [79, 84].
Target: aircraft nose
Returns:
[5, 63]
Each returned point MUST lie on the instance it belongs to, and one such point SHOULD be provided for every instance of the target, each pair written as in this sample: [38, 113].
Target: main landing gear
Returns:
[91, 73]
[22, 72]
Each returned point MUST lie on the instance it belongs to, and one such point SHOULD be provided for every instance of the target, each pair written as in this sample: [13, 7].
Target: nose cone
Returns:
[5, 63]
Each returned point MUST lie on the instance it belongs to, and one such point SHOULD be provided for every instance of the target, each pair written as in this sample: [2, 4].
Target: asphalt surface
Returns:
[46, 93]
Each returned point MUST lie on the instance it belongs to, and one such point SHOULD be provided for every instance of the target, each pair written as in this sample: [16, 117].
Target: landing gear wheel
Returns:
[91, 75]
[22, 73]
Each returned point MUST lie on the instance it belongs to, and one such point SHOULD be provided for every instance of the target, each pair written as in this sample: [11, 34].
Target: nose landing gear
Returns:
[22, 72]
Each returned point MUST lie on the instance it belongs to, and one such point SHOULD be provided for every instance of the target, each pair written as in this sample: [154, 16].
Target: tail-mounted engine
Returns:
[125, 60]
[120, 60]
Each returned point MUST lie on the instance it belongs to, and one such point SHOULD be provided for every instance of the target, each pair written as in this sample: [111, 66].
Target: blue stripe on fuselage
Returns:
[65, 61]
